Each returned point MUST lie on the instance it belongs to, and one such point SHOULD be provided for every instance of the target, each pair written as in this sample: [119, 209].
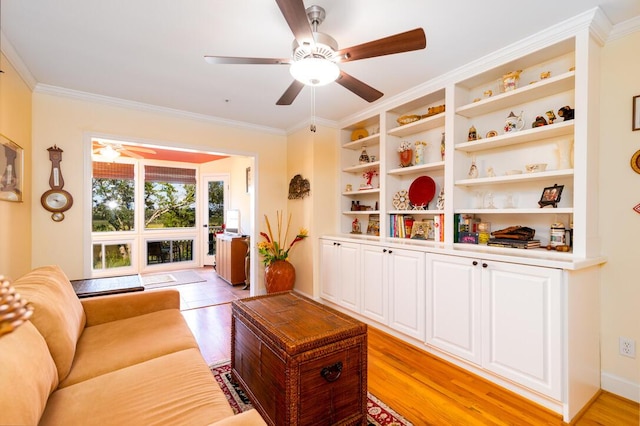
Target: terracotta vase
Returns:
[279, 276]
[406, 157]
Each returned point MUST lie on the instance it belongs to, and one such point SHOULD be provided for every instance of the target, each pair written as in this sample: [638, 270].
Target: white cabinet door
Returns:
[453, 319]
[522, 325]
[349, 275]
[329, 267]
[339, 273]
[406, 272]
[375, 285]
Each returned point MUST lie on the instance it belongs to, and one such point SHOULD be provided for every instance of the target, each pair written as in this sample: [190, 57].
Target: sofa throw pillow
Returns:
[28, 375]
[58, 313]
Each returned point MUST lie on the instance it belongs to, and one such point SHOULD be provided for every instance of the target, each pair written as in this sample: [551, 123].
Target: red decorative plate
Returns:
[422, 191]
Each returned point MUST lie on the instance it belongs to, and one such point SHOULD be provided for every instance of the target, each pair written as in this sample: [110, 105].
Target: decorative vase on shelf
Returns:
[279, 275]
[405, 158]
[420, 152]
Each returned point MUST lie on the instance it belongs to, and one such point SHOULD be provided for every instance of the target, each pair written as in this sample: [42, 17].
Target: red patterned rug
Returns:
[378, 413]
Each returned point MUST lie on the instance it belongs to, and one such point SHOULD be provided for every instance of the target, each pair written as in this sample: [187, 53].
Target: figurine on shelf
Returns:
[442, 147]
[473, 134]
[368, 175]
[551, 116]
[566, 112]
[355, 227]
[473, 170]
[539, 122]
[491, 172]
[513, 123]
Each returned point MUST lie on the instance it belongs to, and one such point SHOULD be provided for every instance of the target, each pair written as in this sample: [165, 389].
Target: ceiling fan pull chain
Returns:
[313, 110]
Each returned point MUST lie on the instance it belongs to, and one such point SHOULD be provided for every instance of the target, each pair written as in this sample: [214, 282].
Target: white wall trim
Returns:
[620, 386]
[625, 28]
[139, 106]
[16, 61]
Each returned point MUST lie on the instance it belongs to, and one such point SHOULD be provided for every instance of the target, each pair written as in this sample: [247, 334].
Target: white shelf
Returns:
[525, 177]
[361, 212]
[362, 167]
[528, 93]
[546, 210]
[401, 171]
[364, 191]
[562, 128]
[421, 125]
[357, 145]
[416, 212]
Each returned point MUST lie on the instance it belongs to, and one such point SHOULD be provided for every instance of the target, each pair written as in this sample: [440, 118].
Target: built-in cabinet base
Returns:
[528, 328]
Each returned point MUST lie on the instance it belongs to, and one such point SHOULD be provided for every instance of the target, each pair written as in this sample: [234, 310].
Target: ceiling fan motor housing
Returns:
[324, 47]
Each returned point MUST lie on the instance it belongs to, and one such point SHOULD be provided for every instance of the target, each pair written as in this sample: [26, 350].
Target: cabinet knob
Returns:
[390, 251]
[484, 265]
[384, 250]
[475, 263]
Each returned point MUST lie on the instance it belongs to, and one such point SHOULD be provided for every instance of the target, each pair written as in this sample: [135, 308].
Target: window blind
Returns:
[169, 174]
[112, 170]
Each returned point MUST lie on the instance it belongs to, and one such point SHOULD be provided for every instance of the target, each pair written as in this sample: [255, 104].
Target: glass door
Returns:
[216, 189]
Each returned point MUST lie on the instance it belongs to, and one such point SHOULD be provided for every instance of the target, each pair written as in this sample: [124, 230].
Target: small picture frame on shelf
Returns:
[551, 196]
[373, 228]
[636, 113]
[422, 230]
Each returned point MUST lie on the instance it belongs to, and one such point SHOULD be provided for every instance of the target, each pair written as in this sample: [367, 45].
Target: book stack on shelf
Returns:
[514, 237]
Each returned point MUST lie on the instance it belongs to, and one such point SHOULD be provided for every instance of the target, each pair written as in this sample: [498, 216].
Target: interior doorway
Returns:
[215, 189]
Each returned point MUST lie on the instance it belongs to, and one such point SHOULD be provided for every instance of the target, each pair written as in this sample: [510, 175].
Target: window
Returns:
[113, 202]
[109, 256]
[169, 197]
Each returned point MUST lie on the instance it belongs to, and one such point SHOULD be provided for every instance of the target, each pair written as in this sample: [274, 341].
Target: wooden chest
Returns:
[301, 363]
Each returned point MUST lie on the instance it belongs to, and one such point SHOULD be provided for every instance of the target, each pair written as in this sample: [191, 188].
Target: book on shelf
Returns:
[438, 228]
[400, 225]
[512, 243]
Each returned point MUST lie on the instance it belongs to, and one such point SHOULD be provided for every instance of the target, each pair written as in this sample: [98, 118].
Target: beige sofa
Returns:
[126, 359]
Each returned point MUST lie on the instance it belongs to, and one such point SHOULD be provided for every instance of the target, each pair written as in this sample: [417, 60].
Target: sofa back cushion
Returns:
[58, 313]
[28, 375]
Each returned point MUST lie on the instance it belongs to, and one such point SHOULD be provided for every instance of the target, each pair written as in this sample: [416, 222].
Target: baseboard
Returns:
[620, 386]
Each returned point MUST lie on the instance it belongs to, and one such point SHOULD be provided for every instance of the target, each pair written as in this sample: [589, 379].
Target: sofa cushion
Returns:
[28, 375]
[175, 389]
[58, 313]
[118, 344]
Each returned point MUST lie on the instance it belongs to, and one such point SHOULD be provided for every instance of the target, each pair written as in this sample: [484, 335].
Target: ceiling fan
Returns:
[315, 57]
[111, 150]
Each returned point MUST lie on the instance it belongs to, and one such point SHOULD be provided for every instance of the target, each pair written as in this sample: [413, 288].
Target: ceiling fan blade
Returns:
[291, 93]
[402, 42]
[139, 149]
[296, 16]
[245, 61]
[130, 153]
[361, 89]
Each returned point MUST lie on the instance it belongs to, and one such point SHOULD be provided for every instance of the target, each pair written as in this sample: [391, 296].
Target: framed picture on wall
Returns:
[11, 170]
[636, 112]
[249, 178]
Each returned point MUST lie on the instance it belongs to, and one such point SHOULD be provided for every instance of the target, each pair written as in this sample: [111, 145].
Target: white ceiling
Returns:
[151, 51]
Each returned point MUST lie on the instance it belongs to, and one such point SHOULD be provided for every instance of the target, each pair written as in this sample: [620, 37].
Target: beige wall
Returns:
[15, 218]
[65, 121]
[619, 224]
[314, 157]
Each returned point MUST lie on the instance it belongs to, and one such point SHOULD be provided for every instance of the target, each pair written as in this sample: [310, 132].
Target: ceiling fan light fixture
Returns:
[108, 153]
[313, 71]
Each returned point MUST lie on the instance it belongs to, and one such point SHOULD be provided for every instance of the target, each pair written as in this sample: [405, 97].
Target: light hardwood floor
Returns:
[423, 388]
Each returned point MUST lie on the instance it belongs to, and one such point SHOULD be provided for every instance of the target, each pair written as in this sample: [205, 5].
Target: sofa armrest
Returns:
[102, 309]
[247, 418]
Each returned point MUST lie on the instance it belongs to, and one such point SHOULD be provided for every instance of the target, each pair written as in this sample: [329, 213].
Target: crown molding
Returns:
[139, 106]
[16, 62]
[624, 29]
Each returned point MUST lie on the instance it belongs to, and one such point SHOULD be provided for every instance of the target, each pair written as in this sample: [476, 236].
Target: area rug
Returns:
[378, 413]
[170, 278]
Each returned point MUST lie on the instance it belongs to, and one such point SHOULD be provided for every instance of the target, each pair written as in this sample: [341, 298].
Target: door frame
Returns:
[206, 259]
